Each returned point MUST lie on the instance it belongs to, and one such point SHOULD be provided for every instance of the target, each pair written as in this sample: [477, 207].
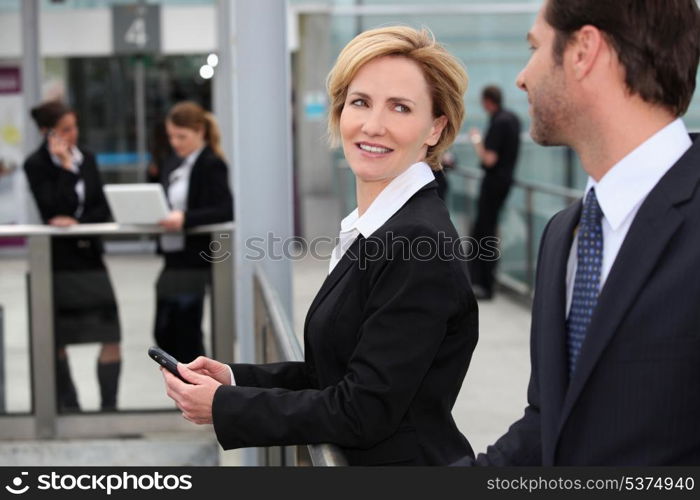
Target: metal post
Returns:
[224, 345]
[31, 67]
[2, 361]
[314, 161]
[43, 355]
[223, 307]
[262, 156]
[529, 238]
[140, 98]
[223, 78]
[31, 95]
[261, 330]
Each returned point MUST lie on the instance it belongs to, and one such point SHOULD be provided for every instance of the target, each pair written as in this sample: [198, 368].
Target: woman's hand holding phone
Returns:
[195, 398]
[60, 149]
[214, 369]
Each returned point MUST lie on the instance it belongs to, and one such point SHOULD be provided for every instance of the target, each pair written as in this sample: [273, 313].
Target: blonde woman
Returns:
[389, 337]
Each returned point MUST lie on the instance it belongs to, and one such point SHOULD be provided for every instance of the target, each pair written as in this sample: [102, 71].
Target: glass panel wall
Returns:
[490, 41]
[15, 390]
[102, 90]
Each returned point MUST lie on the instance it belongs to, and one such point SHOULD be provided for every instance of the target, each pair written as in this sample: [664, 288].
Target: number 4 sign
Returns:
[136, 28]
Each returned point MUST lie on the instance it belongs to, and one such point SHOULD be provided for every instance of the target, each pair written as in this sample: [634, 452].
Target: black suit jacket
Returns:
[635, 396]
[54, 192]
[388, 340]
[209, 201]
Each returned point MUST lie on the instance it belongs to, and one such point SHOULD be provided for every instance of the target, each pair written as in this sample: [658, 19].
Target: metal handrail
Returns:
[537, 187]
[530, 188]
[289, 349]
[102, 229]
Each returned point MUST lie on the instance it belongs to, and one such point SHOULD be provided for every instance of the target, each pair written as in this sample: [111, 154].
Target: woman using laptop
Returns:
[389, 337]
[67, 189]
[197, 188]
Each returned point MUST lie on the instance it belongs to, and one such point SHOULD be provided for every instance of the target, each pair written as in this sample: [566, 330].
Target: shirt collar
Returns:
[389, 201]
[192, 157]
[629, 181]
[183, 168]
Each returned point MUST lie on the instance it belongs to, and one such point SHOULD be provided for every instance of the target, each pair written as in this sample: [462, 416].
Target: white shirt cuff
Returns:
[233, 379]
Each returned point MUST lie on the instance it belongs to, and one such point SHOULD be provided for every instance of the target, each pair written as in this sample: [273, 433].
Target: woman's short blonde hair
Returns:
[444, 74]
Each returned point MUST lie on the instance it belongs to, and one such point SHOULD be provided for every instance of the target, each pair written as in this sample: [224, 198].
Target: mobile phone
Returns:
[166, 361]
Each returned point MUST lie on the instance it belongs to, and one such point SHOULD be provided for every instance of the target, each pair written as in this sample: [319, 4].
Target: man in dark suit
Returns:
[615, 344]
[498, 153]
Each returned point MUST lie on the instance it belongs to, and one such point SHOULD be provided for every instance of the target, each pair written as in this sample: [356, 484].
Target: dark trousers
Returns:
[492, 197]
[179, 312]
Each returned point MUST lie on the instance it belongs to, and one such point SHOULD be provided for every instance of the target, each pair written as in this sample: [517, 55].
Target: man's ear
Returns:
[439, 125]
[583, 50]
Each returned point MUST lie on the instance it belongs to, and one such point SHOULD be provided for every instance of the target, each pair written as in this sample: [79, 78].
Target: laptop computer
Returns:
[137, 203]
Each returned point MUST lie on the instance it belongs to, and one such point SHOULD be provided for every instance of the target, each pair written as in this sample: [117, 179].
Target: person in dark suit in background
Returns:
[615, 344]
[448, 162]
[498, 154]
[67, 188]
[389, 337]
[197, 188]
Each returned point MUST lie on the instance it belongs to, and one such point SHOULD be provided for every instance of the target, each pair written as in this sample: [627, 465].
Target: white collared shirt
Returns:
[623, 189]
[178, 187]
[387, 203]
[76, 160]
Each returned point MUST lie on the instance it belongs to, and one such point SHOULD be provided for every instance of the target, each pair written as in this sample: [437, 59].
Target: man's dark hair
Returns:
[657, 42]
[493, 93]
[47, 114]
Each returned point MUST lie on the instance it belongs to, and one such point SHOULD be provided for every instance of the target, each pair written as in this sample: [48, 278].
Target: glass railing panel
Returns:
[15, 387]
[102, 311]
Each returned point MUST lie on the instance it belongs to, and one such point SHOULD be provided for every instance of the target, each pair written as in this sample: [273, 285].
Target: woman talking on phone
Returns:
[388, 339]
[67, 188]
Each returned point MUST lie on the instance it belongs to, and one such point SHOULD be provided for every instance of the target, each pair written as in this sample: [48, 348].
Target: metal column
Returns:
[2, 360]
[140, 108]
[223, 307]
[223, 79]
[43, 355]
[262, 157]
[31, 67]
[31, 95]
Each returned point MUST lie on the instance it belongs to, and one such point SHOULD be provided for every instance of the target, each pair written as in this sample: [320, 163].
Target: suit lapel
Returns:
[350, 257]
[194, 181]
[346, 262]
[551, 297]
[651, 231]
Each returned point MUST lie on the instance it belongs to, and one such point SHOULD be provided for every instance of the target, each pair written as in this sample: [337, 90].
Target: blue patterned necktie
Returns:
[589, 259]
